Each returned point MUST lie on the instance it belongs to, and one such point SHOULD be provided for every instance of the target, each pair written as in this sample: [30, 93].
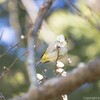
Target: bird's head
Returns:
[62, 40]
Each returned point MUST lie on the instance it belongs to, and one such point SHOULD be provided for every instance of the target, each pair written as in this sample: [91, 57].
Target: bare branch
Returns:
[2, 96]
[1, 35]
[64, 85]
[31, 60]
[8, 68]
[82, 15]
[32, 10]
[41, 15]
[31, 42]
[13, 46]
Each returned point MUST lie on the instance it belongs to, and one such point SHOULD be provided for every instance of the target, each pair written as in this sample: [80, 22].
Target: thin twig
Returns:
[74, 6]
[13, 46]
[41, 15]
[63, 70]
[2, 96]
[57, 58]
[82, 15]
[63, 96]
[16, 44]
[32, 10]
[8, 68]
[1, 34]
[95, 17]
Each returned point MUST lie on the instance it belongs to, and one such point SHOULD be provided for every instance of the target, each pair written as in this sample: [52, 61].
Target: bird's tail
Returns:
[39, 62]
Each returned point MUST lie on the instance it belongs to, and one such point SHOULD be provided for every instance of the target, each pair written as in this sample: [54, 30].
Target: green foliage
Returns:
[2, 1]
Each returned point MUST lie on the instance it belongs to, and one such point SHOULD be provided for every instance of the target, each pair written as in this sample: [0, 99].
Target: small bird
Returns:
[55, 51]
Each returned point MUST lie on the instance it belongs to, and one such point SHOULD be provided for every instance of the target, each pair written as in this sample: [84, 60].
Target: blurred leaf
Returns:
[2, 1]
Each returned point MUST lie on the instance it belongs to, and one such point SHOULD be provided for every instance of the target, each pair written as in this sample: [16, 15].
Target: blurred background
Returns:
[62, 18]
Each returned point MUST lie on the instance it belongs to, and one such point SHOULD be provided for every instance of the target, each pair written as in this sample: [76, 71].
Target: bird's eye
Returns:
[58, 47]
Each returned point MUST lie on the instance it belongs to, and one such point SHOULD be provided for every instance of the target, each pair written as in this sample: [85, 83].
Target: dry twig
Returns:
[82, 15]
[8, 68]
[13, 46]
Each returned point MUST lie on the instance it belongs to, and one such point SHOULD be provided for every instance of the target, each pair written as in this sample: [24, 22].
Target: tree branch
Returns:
[31, 60]
[64, 85]
[2, 96]
[13, 46]
[41, 15]
[31, 42]
[32, 11]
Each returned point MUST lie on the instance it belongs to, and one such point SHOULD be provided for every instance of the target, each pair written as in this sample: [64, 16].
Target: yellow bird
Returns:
[55, 51]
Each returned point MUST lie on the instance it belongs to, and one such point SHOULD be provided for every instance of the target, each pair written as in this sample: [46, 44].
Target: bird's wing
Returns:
[52, 47]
